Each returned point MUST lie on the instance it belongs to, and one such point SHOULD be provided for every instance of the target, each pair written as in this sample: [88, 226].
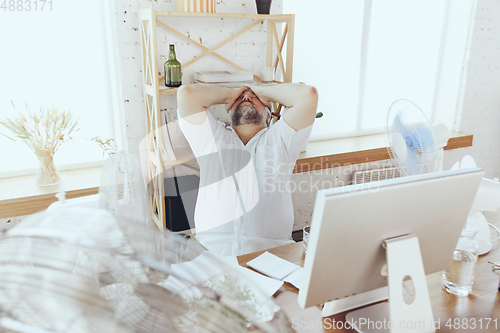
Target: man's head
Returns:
[248, 109]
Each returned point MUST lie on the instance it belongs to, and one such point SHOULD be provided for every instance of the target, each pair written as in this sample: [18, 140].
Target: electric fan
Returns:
[79, 269]
[75, 269]
[414, 145]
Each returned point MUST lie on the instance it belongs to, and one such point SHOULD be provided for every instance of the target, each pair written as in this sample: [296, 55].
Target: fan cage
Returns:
[80, 269]
[407, 119]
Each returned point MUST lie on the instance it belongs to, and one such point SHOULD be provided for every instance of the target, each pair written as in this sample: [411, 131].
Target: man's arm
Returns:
[194, 99]
[301, 100]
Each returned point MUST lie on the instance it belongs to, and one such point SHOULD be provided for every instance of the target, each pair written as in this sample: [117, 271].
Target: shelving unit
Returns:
[153, 86]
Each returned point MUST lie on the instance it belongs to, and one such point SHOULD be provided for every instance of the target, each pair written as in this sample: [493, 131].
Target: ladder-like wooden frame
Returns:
[153, 89]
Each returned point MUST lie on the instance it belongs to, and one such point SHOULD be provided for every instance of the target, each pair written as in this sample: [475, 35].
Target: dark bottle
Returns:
[173, 75]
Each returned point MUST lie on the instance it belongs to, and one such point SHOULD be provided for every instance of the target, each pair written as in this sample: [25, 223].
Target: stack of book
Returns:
[225, 78]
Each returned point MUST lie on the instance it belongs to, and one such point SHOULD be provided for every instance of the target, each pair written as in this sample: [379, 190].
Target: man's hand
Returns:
[300, 99]
[233, 96]
[194, 99]
[259, 91]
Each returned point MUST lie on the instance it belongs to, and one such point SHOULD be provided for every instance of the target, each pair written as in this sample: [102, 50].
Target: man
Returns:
[244, 203]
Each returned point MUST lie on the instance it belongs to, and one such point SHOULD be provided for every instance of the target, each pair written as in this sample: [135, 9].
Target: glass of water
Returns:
[459, 277]
[305, 237]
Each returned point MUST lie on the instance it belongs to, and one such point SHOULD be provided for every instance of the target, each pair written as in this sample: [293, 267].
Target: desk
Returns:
[483, 303]
[21, 196]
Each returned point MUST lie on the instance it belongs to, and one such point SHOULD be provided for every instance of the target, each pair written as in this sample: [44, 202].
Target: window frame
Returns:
[449, 83]
[114, 107]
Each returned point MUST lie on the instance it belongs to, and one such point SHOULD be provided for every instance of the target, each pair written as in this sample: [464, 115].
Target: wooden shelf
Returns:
[171, 91]
[168, 91]
[224, 15]
[153, 87]
[356, 150]
[21, 196]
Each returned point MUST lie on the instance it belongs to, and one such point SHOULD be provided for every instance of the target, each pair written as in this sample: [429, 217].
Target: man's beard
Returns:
[246, 114]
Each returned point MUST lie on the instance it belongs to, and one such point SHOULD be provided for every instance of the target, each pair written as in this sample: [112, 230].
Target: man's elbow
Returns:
[313, 92]
[312, 96]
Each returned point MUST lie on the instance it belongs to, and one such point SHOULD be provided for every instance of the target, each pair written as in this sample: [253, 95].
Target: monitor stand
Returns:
[399, 314]
[352, 302]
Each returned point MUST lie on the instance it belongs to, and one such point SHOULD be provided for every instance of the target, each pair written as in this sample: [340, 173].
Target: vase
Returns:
[263, 6]
[47, 173]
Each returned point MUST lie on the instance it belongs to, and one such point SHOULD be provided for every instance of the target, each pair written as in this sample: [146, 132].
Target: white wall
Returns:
[481, 105]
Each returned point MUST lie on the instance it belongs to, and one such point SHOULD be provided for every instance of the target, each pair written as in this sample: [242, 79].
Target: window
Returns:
[362, 55]
[56, 57]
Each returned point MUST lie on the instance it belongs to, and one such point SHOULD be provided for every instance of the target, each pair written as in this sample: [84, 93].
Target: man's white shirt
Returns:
[244, 202]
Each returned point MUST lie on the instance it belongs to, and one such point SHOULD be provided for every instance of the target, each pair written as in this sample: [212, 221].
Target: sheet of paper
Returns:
[272, 266]
[295, 278]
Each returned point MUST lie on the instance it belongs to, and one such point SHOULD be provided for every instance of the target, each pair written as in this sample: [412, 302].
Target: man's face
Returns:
[248, 109]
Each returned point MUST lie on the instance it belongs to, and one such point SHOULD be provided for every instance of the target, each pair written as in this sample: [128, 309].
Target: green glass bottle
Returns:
[173, 75]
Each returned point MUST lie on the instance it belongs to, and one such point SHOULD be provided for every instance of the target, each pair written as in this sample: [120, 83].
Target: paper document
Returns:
[277, 268]
[295, 278]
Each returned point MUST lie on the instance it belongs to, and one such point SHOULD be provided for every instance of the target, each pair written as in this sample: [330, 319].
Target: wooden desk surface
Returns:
[21, 196]
[483, 304]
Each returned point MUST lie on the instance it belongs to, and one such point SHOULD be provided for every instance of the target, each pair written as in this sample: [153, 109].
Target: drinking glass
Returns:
[267, 74]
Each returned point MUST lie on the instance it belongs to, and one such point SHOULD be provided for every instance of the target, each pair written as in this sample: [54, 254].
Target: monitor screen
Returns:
[345, 256]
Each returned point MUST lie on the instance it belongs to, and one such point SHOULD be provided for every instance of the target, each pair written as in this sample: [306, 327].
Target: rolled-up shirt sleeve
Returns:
[293, 140]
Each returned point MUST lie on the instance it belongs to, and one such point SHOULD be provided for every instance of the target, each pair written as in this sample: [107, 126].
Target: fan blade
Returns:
[399, 127]
[423, 139]
[413, 162]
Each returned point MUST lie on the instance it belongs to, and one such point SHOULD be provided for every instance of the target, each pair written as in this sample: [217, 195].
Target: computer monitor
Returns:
[345, 256]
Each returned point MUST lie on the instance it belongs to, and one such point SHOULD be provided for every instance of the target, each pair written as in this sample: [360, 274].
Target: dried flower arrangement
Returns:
[43, 132]
[108, 146]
